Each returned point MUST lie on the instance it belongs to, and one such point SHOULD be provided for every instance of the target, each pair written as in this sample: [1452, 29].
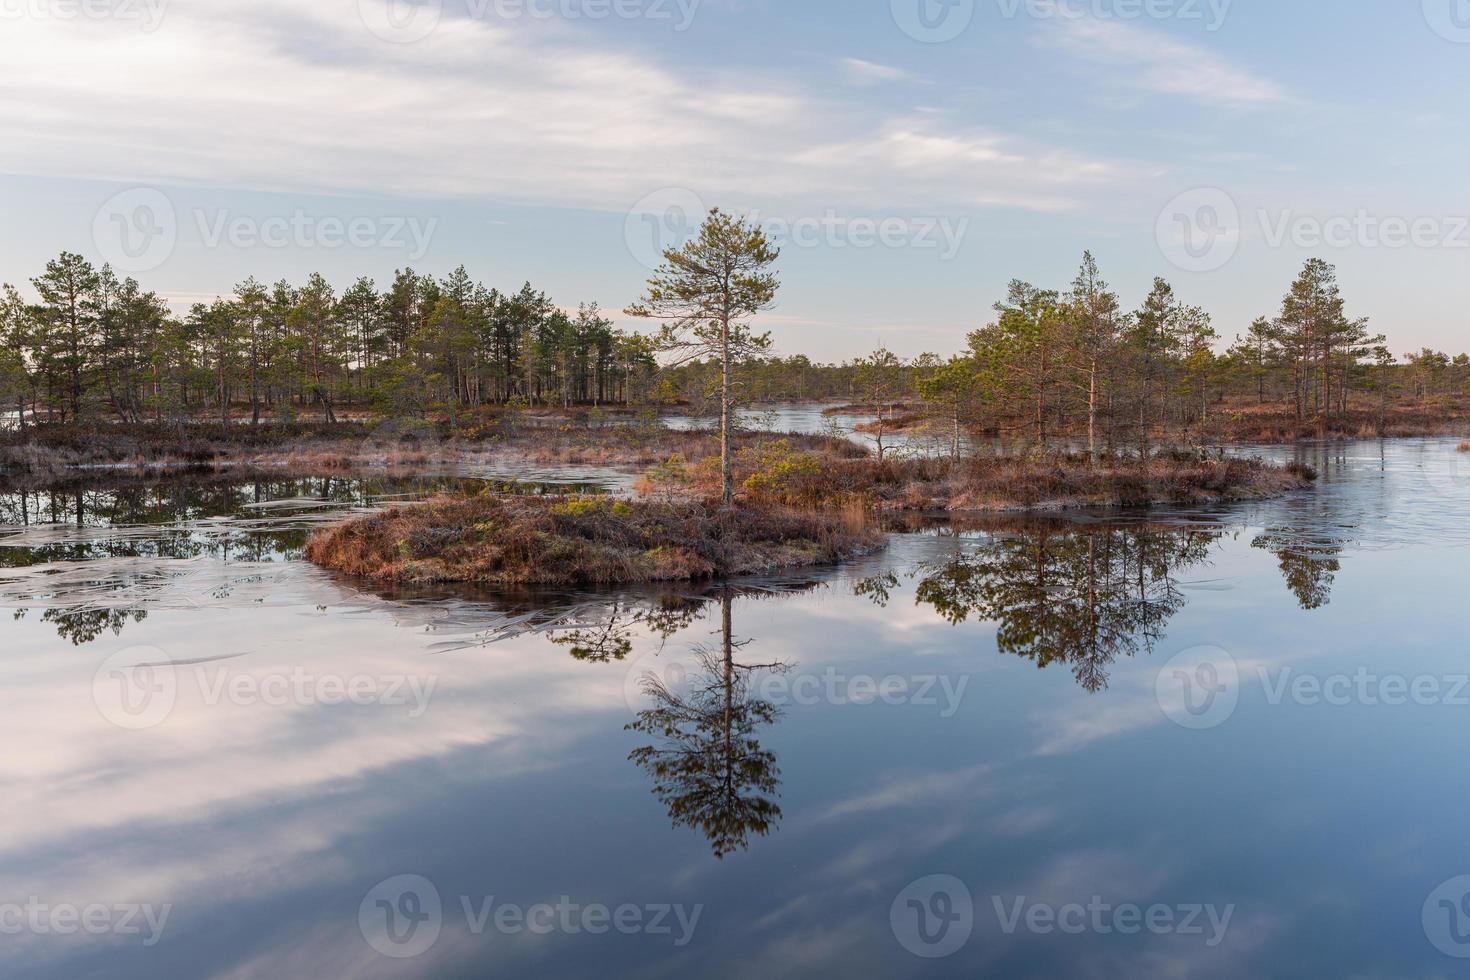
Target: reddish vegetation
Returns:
[777, 472]
[508, 541]
[902, 422]
[868, 409]
[1277, 423]
[501, 438]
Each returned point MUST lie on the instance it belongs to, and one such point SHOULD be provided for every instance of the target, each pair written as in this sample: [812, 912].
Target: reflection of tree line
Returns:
[1073, 594]
[1080, 596]
[1085, 595]
[82, 626]
[171, 507]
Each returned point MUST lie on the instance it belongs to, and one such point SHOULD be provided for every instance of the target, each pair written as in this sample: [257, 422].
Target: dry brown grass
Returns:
[783, 474]
[318, 449]
[1277, 423]
[513, 541]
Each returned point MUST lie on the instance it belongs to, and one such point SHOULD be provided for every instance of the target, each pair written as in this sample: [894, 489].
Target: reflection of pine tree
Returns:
[1076, 596]
[87, 625]
[709, 770]
[611, 637]
[1308, 559]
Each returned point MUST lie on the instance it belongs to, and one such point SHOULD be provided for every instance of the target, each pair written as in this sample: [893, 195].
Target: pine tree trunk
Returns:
[727, 418]
[1092, 409]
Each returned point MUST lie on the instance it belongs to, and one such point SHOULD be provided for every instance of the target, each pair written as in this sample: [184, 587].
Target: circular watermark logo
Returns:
[933, 917]
[665, 219]
[933, 21]
[1450, 19]
[1199, 230]
[136, 230]
[1199, 688]
[400, 21]
[135, 688]
[674, 670]
[1446, 917]
[401, 917]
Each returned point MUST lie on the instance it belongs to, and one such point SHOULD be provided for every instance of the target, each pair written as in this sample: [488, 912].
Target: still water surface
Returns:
[1214, 742]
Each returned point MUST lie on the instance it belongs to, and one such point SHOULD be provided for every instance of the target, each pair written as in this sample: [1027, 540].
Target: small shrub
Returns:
[1303, 470]
[593, 507]
[781, 474]
[670, 478]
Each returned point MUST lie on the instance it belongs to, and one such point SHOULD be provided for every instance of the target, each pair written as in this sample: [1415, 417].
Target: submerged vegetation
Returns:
[513, 541]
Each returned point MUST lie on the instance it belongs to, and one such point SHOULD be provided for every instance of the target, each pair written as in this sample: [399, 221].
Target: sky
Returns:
[911, 157]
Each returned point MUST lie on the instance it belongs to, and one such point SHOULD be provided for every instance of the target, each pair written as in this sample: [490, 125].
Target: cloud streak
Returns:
[276, 96]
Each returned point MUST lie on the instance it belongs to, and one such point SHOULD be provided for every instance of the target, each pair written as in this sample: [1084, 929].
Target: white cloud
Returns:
[296, 97]
[1159, 63]
[862, 72]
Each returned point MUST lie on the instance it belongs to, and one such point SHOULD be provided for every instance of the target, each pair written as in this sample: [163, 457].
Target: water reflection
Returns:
[1080, 596]
[84, 626]
[91, 557]
[267, 824]
[611, 638]
[707, 765]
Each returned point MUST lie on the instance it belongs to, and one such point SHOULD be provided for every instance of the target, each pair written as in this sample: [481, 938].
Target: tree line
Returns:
[94, 345]
[1051, 363]
[1074, 363]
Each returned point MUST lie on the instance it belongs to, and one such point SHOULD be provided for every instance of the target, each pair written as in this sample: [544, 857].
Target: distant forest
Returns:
[94, 347]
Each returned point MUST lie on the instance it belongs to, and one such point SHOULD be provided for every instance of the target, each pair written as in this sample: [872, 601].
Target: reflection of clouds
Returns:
[149, 815]
[329, 950]
[1078, 875]
[898, 791]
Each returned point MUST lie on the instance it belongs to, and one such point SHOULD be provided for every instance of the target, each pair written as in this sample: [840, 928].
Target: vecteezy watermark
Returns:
[1210, 13]
[403, 916]
[934, 917]
[1364, 687]
[942, 234]
[1446, 917]
[669, 217]
[93, 919]
[937, 21]
[933, 21]
[1205, 921]
[1198, 688]
[1199, 230]
[678, 673]
[665, 219]
[1450, 19]
[146, 14]
[407, 21]
[138, 688]
[1363, 229]
[302, 229]
[136, 230]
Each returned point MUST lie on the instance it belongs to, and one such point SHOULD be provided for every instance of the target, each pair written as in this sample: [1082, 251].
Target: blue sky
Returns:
[909, 170]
